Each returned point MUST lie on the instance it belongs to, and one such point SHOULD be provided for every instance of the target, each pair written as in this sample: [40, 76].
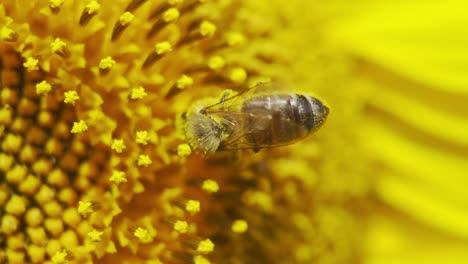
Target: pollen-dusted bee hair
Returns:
[264, 116]
[202, 132]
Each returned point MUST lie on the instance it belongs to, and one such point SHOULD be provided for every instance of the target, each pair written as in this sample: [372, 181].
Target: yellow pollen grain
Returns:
[36, 253]
[118, 145]
[138, 188]
[142, 234]
[6, 116]
[71, 97]
[216, 63]
[69, 237]
[14, 256]
[79, 127]
[118, 177]
[95, 235]
[171, 15]
[43, 87]
[201, 260]
[107, 63]
[239, 226]
[5, 162]
[234, 38]
[144, 160]
[29, 185]
[181, 226]
[53, 208]
[45, 119]
[16, 205]
[138, 93]
[126, 18]
[56, 3]
[184, 81]
[184, 150]
[210, 186]
[142, 137]
[57, 178]
[71, 217]
[92, 7]
[206, 246]
[15, 241]
[7, 34]
[238, 75]
[17, 174]
[67, 195]
[163, 47]
[54, 246]
[192, 206]
[42, 166]
[34, 217]
[8, 96]
[58, 46]
[54, 226]
[85, 208]
[31, 64]
[12, 143]
[9, 224]
[207, 28]
[60, 257]
[4, 194]
[44, 195]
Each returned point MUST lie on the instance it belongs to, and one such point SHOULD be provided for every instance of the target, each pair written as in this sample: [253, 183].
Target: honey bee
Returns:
[264, 116]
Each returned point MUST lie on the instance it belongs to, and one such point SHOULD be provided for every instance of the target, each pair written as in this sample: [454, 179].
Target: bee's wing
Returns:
[236, 132]
[240, 127]
[233, 102]
[262, 88]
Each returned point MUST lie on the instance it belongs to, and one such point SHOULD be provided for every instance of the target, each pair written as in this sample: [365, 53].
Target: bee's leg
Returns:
[223, 98]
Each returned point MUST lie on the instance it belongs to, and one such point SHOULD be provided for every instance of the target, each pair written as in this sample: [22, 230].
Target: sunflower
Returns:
[409, 64]
[94, 170]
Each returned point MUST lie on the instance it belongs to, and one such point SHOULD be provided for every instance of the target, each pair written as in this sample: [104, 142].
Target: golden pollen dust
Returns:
[265, 116]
